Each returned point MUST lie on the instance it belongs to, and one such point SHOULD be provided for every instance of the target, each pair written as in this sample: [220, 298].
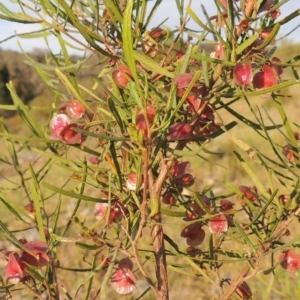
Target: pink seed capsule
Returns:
[75, 109]
[123, 279]
[218, 224]
[242, 74]
[290, 261]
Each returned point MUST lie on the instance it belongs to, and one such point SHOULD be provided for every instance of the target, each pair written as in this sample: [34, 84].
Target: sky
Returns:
[166, 10]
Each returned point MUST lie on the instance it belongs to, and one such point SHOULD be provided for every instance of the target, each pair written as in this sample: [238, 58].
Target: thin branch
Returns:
[137, 260]
[236, 283]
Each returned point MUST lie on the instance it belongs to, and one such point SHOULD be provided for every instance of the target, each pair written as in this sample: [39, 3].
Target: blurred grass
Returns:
[211, 170]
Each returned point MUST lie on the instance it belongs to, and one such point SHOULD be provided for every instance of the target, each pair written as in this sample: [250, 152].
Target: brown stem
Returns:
[143, 218]
[54, 277]
[157, 233]
[157, 229]
[162, 292]
[236, 283]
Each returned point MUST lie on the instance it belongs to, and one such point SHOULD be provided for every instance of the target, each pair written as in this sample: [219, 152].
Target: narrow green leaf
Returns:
[262, 210]
[260, 186]
[175, 214]
[34, 273]
[285, 245]
[284, 164]
[88, 150]
[113, 153]
[152, 12]
[52, 68]
[72, 194]
[77, 205]
[114, 10]
[90, 284]
[63, 239]
[88, 247]
[67, 294]
[135, 96]
[288, 129]
[57, 214]
[202, 57]
[243, 235]
[10, 237]
[216, 35]
[16, 210]
[143, 294]
[75, 165]
[181, 270]
[197, 20]
[11, 16]
[71, 88]
[10, 146]
[242, 145]
[200, 270]
[285, 20]
[270, 38]
[34, 35]
[172, 243]
[93, 272]
[151, 64]
[215, 133]
[247, 121]
[101, 136]
[115, 113]
[101, 109]
[211, 250]
[247, 43]
[261, 92]
[24, 112]
[37, 198]
[230, 18]
[88, 35]
[128, 41]
[107, 277]
[205, 70]
[186, 60]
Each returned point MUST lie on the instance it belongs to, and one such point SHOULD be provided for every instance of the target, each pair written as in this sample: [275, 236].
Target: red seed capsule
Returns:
[290, 261]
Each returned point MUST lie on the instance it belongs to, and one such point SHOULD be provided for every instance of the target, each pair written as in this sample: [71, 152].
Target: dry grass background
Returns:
[213, 170]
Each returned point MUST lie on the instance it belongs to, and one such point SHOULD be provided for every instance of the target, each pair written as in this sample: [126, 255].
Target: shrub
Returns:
[128, 153]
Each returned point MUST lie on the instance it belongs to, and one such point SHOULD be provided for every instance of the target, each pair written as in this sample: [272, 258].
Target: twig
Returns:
[137, 260]
[243, 274]
[34, 292]
[184, 22]
[236, 283]
[145, 190]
